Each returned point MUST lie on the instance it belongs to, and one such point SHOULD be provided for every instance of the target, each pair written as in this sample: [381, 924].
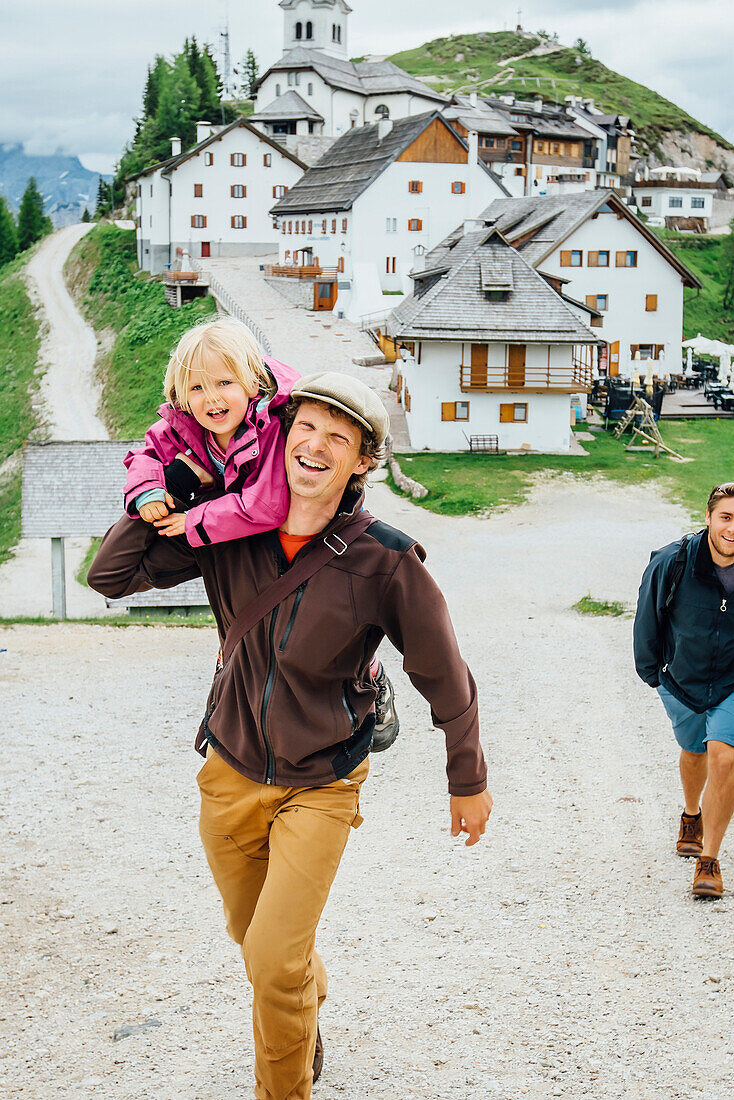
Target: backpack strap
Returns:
[677, 571]
[329, 546]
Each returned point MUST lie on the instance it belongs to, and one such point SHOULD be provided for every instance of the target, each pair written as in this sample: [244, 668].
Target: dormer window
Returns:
[299, 31]
[497, 280]
[382, 111]
[336, 32]
[498, 295]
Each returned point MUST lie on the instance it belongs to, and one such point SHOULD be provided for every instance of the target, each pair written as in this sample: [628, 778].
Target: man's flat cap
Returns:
[350, 396]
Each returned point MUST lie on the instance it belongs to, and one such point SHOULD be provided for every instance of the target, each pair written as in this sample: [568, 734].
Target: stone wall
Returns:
[297, 291]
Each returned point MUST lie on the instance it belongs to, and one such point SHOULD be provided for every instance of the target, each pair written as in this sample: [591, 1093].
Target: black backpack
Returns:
[677, 571]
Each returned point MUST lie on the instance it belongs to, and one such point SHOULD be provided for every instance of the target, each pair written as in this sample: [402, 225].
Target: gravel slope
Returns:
[563, 956]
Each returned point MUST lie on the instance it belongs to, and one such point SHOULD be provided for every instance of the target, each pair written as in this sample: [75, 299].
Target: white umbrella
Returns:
[725, 366]
[650, 373]
[636, 370]
[689, 363]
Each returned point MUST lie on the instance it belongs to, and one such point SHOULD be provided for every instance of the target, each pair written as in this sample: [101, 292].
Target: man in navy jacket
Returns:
[684, 647]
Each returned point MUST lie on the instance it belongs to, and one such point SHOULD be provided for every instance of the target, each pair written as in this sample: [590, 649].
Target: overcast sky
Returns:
[72, 71]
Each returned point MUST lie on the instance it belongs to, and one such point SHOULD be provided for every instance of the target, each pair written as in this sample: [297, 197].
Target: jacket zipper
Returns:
[270, 770]
[352, 716]
[296, 604]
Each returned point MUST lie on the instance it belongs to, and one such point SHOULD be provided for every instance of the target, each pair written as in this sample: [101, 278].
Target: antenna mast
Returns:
[226, 57]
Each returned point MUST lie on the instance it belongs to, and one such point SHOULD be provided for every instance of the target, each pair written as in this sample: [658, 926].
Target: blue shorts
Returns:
[692, 730]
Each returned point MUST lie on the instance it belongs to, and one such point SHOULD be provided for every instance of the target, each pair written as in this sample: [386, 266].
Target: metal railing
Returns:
[229, 305]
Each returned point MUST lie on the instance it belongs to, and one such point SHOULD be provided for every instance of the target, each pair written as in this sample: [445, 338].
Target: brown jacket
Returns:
[293, 704]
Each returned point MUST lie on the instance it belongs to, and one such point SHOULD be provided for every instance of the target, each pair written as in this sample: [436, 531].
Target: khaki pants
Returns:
[274, 852]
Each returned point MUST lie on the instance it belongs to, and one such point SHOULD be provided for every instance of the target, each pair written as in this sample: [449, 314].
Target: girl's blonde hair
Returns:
[227, 340]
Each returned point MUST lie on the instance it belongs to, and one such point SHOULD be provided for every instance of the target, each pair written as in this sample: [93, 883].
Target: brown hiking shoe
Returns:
[690, 837]
[318, 1058]
[708, 882]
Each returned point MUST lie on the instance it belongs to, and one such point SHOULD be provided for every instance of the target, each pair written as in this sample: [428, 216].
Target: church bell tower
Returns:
[316, 25]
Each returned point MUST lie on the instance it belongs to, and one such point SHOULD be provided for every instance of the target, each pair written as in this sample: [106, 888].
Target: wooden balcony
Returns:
[310, 271]
[574, 378]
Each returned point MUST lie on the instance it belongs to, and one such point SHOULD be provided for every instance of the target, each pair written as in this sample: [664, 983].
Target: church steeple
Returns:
[317, 25]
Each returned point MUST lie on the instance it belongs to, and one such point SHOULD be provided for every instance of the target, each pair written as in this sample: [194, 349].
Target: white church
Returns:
[314, 90]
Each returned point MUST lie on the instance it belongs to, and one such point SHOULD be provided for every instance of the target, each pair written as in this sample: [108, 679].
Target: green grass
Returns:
[114, 295]
[194, 621]
[19, 346]
[553, 76]
[463, 484]
[86, 565]
[588, 605]
[710, 258]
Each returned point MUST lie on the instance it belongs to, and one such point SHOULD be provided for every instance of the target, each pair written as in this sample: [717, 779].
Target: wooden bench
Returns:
[484, 444]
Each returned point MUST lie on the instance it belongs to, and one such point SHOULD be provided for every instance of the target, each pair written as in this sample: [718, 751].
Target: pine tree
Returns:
[104, 198]
[86, 217]
[728, 297]
[178, 106]
[32, 221]
[250, 73]
[156, 76]
[8, 235]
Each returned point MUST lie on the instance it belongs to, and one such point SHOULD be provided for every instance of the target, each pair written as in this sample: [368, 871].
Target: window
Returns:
[208, 159]
[454, 410]
[574, 258]
[646, 200]
[277, 91]
[303, 227]
[198, 190]
[458, 188]
[279, 191]
[698, 203]
[598, 259]
[513, 414]
[310, 89]
[310, 227]
[415, 187]
[298, 79]
[391, 225]
[298, 227]
[391, 265]
[336, 32]
[291, 79]
[287, 256]
[556, 147]
[198, 221]
[238, 191]
[238, 160]
[415, 225]
[309, 30]
[239, 221]
[651, 303]
[382, 111]
[516, 146]
[498, 295]
[647, 351]
[602, 302]
[626, 259]
[344, 225]
[285, 228]
[520, 171]
[268, 160]
[675, 202]
[333, 225]
[299, 31]
[324, 226]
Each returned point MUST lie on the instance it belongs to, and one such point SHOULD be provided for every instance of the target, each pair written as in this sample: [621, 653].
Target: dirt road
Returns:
[562, 957]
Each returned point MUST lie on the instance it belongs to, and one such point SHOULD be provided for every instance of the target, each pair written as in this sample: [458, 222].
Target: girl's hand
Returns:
[156, 509]
[203, 475]
[172, 525]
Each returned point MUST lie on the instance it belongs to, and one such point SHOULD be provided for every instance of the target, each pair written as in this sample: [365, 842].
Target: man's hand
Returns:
[470, 814]
[203, 475]
[172, 525]
[156, 509]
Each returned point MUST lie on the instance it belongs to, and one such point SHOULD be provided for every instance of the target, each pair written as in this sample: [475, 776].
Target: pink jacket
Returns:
[256, 497]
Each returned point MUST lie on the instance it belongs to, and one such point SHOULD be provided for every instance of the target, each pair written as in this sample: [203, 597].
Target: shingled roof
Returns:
[289, 106]
[455, 306]
[538, 225]
[366, 77]
[354, 162]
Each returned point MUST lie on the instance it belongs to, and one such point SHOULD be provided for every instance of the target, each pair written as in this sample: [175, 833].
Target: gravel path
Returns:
[68, 400]
[561, 957]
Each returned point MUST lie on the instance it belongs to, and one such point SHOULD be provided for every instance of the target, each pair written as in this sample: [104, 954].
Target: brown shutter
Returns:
[198, 191]
[591, 300]
[621, 259]
[593, 260]
[659, 350]
[634, 348]
[651, 303]
[565, 259]
[275, 192]
[507, 414]
[448, 410]
[614, 359]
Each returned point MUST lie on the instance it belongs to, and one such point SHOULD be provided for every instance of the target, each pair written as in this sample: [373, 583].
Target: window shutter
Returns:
[231, 158]
[659, 350]
[566, 259]
[634, 348]
[621, 259]
[593, 260]
[448, 410]
[275, 189]
[507, 414]
[198, 191]
[591, 300]
[651, 303]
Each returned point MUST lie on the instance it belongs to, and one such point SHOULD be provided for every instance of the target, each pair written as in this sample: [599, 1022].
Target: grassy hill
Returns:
[710, 258]
[469, 61]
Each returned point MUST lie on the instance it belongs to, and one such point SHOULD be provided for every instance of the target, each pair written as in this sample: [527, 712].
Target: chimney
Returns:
[508, 99]
[473, 168]
[175, 147]
[538, 104]
[203, 131]
[474, 99]
[419, 259]
[384, 127]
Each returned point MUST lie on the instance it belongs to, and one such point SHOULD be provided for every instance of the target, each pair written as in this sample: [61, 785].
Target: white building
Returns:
[679, 198]
[381, 196]
[614, 137]
[609, 259]
[489, 349]
[332, 94]
[215, 199]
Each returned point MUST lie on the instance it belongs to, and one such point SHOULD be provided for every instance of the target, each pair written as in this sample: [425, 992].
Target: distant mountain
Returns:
[527, 65]
[66, 185]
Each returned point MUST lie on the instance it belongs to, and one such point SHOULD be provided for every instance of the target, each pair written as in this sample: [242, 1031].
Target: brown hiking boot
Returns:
[318, 1058]
[690, 837]
[708, 882]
